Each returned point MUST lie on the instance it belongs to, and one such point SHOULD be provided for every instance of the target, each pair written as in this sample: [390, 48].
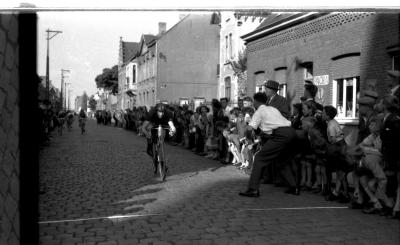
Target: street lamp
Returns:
[62, 86]
[54, 33]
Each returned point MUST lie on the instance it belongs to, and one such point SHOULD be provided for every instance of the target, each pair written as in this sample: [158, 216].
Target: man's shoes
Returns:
[250, 193]
[356, 205]
[386, 211]
[293, 191]
[343, 198]
[331, 197]
[372, 210]
[279, 184]
[394, 215]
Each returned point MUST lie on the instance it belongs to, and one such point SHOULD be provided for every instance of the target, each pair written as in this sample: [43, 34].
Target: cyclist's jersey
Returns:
[153, 118]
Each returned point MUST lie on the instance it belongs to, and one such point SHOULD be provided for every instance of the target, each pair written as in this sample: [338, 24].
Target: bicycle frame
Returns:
[159, 152]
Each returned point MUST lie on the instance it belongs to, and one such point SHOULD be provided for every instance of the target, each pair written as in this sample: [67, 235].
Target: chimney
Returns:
[162, 27]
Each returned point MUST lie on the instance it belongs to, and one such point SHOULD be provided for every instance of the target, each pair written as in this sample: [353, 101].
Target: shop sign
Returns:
[321, 80]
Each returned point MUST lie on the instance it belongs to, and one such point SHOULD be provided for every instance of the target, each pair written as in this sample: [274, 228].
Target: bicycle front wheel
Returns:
[161, 162]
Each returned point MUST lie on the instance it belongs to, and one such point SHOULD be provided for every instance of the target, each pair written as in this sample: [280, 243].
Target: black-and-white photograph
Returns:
[222, 125]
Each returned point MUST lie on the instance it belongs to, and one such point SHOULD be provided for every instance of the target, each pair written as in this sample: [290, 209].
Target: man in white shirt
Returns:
[276, 149]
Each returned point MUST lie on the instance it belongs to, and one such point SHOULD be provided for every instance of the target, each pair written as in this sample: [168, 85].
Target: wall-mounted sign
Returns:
[321, 80]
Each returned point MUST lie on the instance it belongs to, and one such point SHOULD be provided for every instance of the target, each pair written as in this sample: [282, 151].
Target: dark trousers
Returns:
[276, 149]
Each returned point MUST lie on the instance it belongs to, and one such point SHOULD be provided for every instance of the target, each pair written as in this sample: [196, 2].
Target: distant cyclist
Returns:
[158, 116]
[70, 120]
[82, 120]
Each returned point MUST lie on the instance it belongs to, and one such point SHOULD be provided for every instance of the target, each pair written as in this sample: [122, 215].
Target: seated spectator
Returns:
[232, 139]
[370, 171]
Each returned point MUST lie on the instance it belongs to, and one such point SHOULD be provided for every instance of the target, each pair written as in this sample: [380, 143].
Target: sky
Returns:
[90, 39]
[89, 42]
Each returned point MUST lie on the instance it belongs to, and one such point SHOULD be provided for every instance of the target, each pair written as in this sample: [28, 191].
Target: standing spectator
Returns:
[271, 121]
[390, 136]
[240, 104]
[275, 100]
[202, 130]
[336, 155]
[225, 107]
[247, 102]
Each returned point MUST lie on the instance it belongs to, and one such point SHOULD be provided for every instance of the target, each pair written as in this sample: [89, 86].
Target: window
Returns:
[218, 69]
[308, 70]
[133, 74]
[259, 79]
[228, 87]
[226, 47]
[230, 46]
[396, 62]
[127, 82]
[345, 92]
[282, 89]
[259, 88]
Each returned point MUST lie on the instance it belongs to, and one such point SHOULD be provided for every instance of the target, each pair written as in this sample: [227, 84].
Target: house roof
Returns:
[129, 49]
[274, 19]
[148, 38]
[277, 22]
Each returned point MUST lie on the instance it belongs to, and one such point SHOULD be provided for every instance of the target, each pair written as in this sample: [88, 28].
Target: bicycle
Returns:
[60, 125]
[69, 123]
[159, 152]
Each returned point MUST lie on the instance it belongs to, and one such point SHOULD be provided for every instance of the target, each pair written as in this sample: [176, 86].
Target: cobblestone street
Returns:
[99, 188]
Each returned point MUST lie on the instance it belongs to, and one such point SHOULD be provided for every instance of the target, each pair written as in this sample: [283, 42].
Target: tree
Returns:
[240, 65]
[108, 80]
[92, 103]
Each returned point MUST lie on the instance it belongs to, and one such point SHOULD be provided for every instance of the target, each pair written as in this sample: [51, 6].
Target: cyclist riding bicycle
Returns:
[70, 120]
[82, 121]
[158, 116]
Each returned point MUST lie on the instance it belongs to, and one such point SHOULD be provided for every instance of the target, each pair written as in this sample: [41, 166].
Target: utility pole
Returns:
[54, 33]
[62, 88]
[65, 99]
[69, 98]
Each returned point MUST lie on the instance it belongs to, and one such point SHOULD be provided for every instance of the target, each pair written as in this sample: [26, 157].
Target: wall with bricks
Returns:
[320, 40]
[9, 128]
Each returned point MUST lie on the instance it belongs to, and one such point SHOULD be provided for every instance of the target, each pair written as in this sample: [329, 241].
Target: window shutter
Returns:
[346, 67]
[259, 78]
[280, 76]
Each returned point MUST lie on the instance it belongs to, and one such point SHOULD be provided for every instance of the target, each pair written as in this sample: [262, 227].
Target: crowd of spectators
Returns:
[323, 163]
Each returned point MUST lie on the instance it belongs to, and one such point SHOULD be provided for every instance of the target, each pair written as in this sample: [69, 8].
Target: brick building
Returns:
[127, 74]
[342, 53]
